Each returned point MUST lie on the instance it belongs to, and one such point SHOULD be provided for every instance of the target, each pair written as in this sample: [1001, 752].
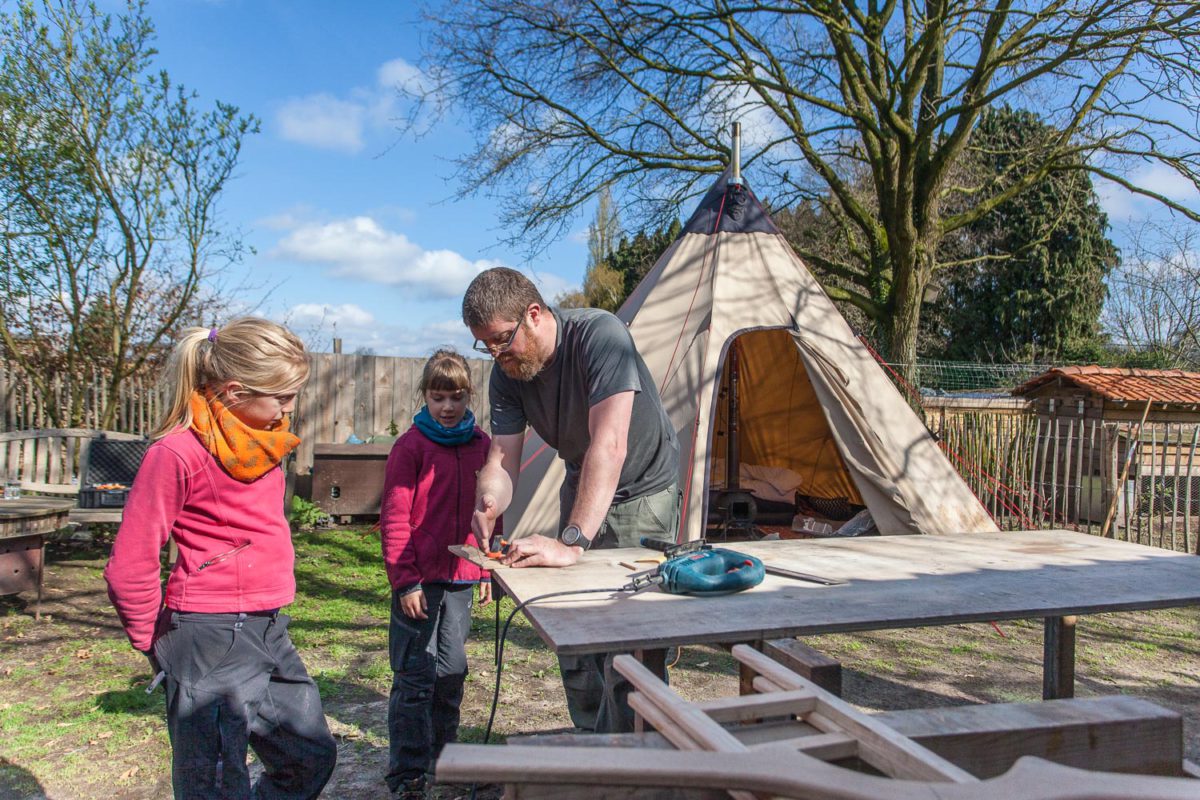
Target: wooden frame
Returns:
[711, 757]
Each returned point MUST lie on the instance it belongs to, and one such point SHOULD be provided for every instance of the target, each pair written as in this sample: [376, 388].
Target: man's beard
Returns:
[523, 367]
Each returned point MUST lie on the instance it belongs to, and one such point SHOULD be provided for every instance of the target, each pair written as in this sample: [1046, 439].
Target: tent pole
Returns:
[732, 445]
[736, 159]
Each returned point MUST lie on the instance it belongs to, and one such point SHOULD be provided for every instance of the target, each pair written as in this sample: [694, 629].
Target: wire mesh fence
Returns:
[967, 376]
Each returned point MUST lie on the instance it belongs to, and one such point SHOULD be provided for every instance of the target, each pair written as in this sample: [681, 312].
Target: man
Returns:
[576, 377]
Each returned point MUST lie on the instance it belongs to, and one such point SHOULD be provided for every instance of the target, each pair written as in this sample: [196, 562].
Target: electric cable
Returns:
[502, 636]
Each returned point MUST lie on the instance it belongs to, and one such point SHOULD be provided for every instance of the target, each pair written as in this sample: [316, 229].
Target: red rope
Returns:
[993, 485]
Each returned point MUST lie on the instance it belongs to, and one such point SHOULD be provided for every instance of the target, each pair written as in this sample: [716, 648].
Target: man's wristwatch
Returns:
[572, 536]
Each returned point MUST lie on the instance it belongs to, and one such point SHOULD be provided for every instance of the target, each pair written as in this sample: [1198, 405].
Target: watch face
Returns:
[572, 536]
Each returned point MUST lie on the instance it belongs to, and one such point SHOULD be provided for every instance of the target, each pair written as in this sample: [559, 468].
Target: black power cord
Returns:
[502, 637]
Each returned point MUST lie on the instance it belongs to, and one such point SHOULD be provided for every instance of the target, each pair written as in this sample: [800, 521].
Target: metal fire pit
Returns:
[24, 524]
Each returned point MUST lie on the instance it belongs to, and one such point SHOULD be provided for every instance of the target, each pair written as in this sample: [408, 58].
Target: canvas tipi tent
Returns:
[811, 399]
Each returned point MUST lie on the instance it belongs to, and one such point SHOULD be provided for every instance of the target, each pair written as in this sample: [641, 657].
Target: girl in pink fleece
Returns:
[212, 482]
[428, 498]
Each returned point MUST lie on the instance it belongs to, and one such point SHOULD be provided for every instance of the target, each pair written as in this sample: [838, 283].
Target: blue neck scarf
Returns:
[438, 433]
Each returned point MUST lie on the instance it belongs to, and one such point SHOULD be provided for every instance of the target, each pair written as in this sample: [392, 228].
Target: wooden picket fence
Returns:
[139, 403]
[1139, 483]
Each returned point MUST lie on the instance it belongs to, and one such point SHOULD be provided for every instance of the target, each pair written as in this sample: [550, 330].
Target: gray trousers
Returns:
[598, 695]
[429, 667]
[236, 681]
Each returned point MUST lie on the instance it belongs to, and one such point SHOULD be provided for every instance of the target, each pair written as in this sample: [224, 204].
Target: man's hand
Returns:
[413, 605]
[540, 551]
[484, 519]
[485, 593]
[154, 667]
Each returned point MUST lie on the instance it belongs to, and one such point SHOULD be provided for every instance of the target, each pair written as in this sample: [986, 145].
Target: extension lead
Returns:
[502, 637]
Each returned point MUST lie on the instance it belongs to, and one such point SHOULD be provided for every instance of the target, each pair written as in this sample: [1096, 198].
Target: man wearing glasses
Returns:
[577, 378]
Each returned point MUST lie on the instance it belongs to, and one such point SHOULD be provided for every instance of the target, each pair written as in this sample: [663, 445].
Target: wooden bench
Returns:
[805, 661]
[54, 461]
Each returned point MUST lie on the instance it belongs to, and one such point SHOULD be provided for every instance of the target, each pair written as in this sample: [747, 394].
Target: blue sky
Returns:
[356, 231]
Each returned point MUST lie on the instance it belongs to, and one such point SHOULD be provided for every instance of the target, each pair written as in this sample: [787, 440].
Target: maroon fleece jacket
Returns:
[235, 546]
[428, 499]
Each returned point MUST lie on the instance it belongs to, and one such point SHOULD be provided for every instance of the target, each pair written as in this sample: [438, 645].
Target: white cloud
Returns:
[399, 74]
[363, 249]
[321, 120]
[359, 330]
[344, 123]
[346, 315]
[1121, 205]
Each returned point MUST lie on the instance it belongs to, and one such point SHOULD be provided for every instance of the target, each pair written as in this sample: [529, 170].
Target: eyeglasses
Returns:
[493, 348]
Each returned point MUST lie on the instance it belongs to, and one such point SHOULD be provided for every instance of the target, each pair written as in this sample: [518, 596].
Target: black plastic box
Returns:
[102, 498]
[113, 461]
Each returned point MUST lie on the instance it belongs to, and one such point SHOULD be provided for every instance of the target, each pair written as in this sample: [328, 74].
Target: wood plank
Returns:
[778, 771]
[807, 662]
[699, 726]
[343, 398]
[892, 582]
[1116, 733]
[879, 745]
[685, 725]
[364, 396]
[380, 386]
[759, 706]
[1058, 658]
[54, 454]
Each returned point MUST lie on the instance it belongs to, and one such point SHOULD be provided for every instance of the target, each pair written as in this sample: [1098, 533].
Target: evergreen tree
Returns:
[1028, 279]
[615, 269]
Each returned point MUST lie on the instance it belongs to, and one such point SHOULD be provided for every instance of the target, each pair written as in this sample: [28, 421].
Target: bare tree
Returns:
[569, 96]
[1154, 297]
[109, 182]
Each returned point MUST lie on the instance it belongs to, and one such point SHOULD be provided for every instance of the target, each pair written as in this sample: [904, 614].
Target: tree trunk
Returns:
[905, 321]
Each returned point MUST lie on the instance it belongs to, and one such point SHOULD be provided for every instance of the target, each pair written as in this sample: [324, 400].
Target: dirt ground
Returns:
[1154, 655]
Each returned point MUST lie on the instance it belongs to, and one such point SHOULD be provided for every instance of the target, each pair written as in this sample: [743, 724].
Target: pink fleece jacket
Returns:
[428, 499]
[235, 546]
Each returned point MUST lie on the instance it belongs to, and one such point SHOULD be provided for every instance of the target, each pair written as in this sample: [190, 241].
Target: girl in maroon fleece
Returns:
[212, 482]
[428, 497]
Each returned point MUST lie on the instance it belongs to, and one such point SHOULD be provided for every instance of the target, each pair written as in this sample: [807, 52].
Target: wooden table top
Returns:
[33, 516]
[29, 506]
[891, 582]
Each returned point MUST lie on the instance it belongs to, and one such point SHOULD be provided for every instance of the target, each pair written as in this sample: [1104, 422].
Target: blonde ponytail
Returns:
[264, 357]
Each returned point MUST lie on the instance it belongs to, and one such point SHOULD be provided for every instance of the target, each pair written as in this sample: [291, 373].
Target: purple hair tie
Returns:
[212, 335]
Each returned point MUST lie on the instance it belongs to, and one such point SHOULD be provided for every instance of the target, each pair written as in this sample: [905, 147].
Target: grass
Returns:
[89, 715]
[77, 722]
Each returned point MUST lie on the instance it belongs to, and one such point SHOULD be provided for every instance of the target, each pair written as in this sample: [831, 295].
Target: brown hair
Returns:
[499, 293]
[445, 371]
[265, 357]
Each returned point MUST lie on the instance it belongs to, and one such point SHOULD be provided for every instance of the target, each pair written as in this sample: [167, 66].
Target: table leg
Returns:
[41, 571]
[655, 660]
[1058, 659]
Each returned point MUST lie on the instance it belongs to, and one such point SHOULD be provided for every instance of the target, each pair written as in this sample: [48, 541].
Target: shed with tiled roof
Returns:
[1100, 426]
[1111, 393]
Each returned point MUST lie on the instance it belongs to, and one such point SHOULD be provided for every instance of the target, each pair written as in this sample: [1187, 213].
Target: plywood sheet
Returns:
[891, 582]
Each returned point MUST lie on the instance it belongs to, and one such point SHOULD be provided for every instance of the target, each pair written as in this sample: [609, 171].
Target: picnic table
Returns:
[24, 524]
[890, 582]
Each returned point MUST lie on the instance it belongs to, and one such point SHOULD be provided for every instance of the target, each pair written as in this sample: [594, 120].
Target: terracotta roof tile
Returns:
[1159, 385]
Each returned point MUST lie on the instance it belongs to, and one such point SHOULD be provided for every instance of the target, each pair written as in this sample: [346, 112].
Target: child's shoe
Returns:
[415, 789]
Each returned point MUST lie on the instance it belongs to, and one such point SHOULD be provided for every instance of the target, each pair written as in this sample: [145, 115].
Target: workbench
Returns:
[891, 582]
[24, 524]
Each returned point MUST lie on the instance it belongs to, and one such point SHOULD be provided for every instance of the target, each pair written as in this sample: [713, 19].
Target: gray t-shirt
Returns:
[594, 358]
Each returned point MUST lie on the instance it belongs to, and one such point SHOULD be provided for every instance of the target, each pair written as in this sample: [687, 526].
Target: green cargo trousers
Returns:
[598, 695]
